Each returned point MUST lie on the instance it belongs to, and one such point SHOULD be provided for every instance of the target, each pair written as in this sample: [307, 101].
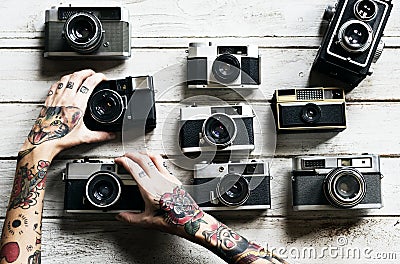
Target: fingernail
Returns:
[111, 136]
[118, 217]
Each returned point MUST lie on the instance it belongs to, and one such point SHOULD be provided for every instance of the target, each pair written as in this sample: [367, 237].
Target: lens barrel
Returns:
[106, 106]
[311, 113]
[365, 9]
[83, 32]
[226, 68]
[103, 189]
[233, 190]
[355, 36]
[219, 130]
[344, 187]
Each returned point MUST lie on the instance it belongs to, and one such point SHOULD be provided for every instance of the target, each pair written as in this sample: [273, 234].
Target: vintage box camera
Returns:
[305, 110]
[95, 186]
[232, 186]
[221, 128]
[111, 99]
[210, 66]
[343, 182]
[353, 40]
[89, 32]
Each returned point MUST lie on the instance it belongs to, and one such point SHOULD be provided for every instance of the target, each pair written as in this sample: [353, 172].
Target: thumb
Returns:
[130, 218]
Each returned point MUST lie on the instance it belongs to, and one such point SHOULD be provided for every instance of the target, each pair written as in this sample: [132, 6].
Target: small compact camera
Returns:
[111, 99]
[221, 128]
[89, 32]
[232, 186]
[343, 182]
[210, 66]
[95, 186]
[308, 110]
[353, 40]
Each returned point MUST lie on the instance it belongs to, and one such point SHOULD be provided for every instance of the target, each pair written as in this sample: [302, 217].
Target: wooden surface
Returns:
[288, 33]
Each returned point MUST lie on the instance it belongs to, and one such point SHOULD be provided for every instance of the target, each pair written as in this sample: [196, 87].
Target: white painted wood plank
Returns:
[25, 76]
[280, 191]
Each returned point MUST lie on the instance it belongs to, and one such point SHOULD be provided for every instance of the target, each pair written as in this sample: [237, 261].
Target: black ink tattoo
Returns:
[29, 248]
[60, 86]
[70, 85]
[53, 123]
[142, 174]
[35, 258]
[84, 89]
[50, 93]
[151, 164]
[27, 183]
[23, 153]
[180, 209]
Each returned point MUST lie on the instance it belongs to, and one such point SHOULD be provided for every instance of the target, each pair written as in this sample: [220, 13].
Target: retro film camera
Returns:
[232, 186]
[89, 32]
[344, 182]
[210, 66]
[314, 109]
[111, 99]
[94, 186]
[221, 128]
[353, 40]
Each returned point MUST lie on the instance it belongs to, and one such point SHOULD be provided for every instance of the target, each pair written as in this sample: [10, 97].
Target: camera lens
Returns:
[365, 9]
[219, 129]
[226, 68]
[233, 190]
[106, 106]
[345, 187]
[355, 36]
[103, 189]
[311, 113]
[83, 32]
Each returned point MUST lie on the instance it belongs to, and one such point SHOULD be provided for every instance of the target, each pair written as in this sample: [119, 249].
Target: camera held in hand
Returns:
[232, 186]
[220, 128]
[87, 32]
[110, 100]
[353, 40]
[343, 182]
[94, 186]
[309, 110]
[210, 66]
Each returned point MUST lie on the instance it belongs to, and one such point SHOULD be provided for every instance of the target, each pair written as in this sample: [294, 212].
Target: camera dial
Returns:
[103, 189]
[311, 113]
[355, 36]
[344, 187]
[233, 190]
[83, 32]
[106, 106]
[226, 68]
[219, 130]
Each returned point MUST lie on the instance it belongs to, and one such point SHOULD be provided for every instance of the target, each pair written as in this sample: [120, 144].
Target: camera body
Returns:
[353, 39]
[96, 186]
[342, 182]
[221, 128]
[110, 100]
[210, 66]
[232, 186]
[87, 32]
[309, 110]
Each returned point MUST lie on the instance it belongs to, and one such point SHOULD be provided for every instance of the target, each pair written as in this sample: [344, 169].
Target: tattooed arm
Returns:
[169, 208]
[58, 126]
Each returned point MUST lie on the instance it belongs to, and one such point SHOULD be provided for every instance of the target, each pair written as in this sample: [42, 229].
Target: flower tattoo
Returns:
[181, 209]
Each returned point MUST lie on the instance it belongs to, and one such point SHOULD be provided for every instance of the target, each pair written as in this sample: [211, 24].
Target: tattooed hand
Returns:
[169, 208]
[60, 124]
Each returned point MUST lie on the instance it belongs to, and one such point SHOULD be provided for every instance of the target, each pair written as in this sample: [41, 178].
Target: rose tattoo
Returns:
[181, 209]
[54, 122]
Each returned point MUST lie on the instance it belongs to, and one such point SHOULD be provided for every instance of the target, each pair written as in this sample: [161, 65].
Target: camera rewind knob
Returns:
[378, 51]
[329, 12]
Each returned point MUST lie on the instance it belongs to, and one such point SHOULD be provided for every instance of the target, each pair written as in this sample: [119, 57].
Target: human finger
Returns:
[159, 162]
[84, 91]
[145, 163]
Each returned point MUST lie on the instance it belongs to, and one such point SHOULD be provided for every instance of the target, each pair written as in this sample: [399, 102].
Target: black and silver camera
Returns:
[344, 182]
[94, 186]
[221, 128]
[232, 186]
[313, 109]
[89, 32]
[210, 66]
[110, 100]
[353, 40]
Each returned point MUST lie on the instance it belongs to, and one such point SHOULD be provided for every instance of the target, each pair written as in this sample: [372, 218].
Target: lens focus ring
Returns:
[219, 130]
[103, 189]
[355, 36]
[233, 190]
[106, 106]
